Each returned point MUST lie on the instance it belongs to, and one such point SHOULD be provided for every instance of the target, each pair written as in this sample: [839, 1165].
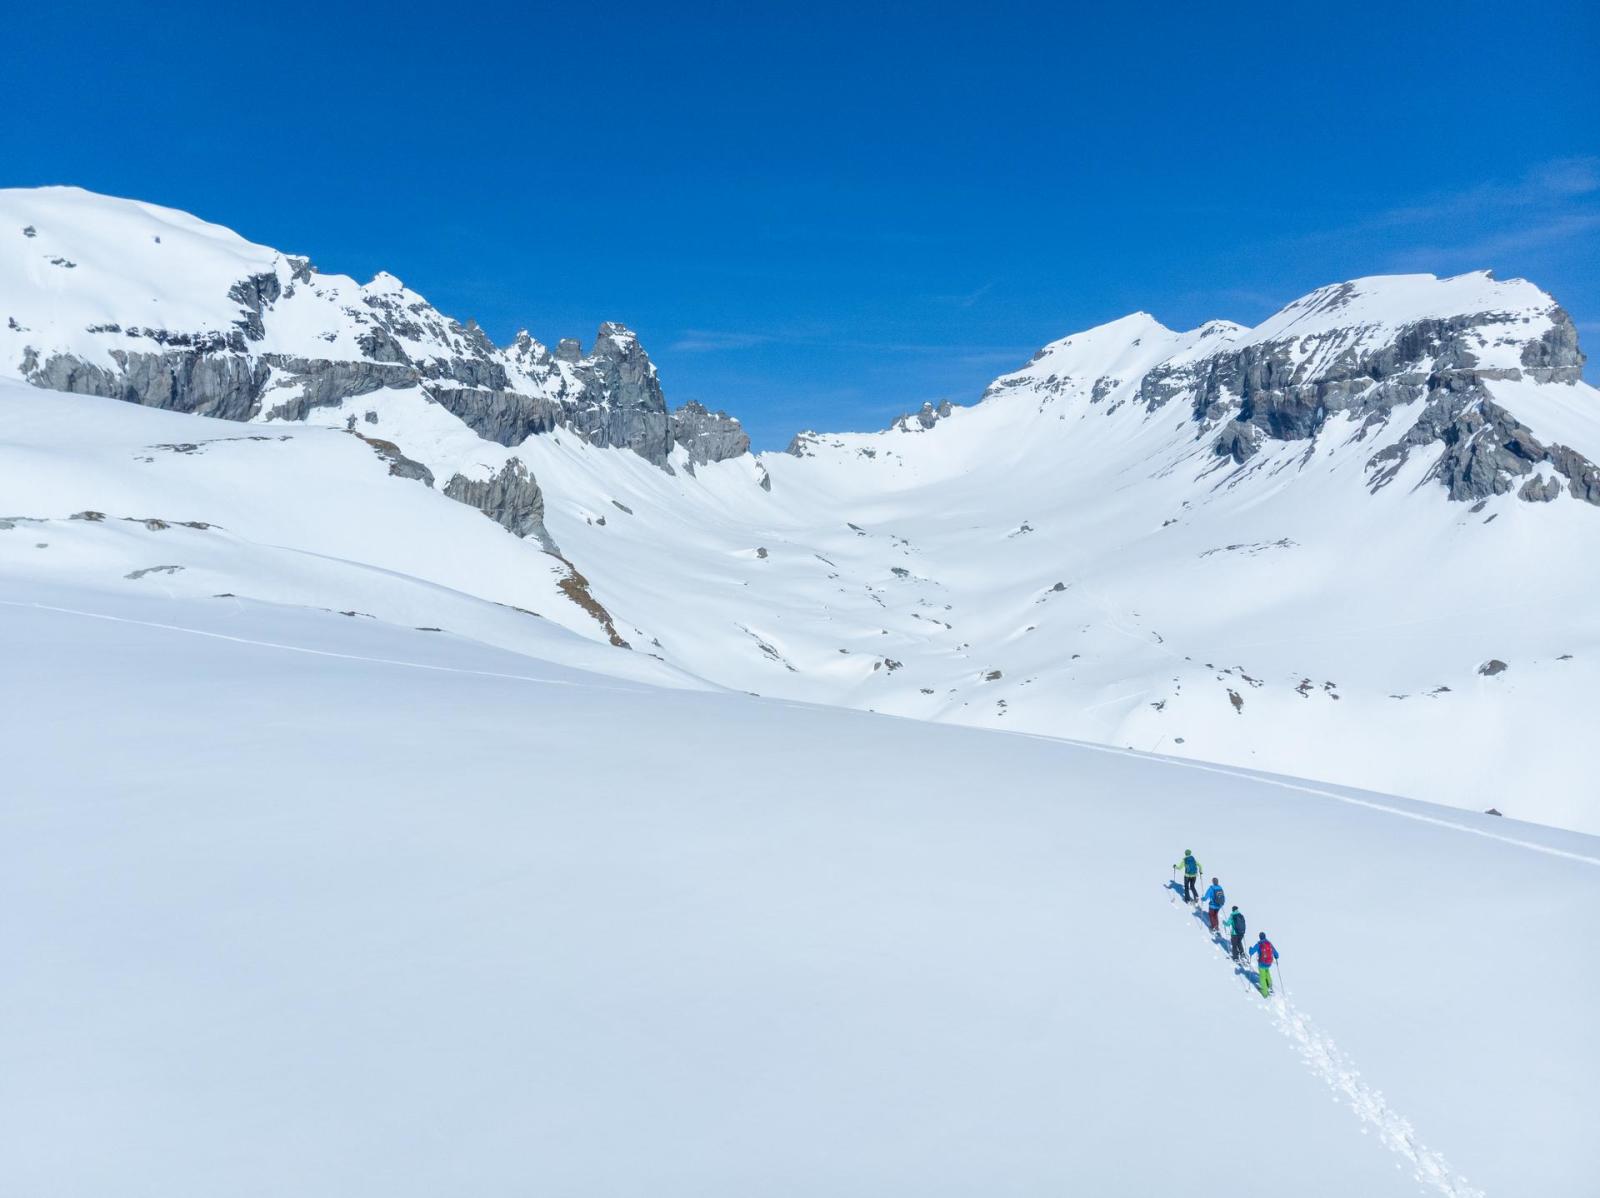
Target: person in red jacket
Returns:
[1266, 956]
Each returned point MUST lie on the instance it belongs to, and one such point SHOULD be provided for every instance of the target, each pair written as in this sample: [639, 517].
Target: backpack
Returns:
[1237, 923]
[1218, 899]
[1267, 953]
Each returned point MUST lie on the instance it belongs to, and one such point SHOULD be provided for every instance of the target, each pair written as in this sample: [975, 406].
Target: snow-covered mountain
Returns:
[1358, 542]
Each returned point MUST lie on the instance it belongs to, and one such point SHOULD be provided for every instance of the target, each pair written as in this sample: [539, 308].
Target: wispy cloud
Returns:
[1551, 207]
[1558, 231]
[695, 341]
[1557, 182]
[963, 299]
[703, 341]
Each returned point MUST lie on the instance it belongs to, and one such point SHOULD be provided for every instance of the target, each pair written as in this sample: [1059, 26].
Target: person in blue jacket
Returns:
[1214, 898]
[1266, 955]
[1191, 876]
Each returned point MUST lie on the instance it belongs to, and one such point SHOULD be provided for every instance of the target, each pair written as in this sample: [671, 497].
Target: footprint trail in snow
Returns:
[1323, 1057]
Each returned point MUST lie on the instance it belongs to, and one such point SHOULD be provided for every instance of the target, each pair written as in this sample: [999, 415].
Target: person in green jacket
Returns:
[1191, 877]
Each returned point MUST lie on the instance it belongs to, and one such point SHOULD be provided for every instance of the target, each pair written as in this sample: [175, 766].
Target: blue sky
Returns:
[822, 215]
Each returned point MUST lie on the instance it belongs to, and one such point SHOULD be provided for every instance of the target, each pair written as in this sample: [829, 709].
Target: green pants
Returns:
[1264, 979]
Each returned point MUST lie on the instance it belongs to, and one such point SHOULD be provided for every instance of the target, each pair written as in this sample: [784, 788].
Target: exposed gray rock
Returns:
[399, 465]
[620, 402]
[254, 294]
[1540, 490]
[1555, 357]
[1486, 451]
[708, 436]
[510, 498]
[610, 397]
[1287, 390]
[923, 419]
[506, 417]
[1492, 667]
[322, 383]
[225, 385]
[380, 345]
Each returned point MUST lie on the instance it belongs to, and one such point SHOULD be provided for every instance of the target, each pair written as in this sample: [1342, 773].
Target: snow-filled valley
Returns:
[1355, 543]
[444, 768]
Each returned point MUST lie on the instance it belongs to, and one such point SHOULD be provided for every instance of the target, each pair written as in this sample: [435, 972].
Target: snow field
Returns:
[280, 921]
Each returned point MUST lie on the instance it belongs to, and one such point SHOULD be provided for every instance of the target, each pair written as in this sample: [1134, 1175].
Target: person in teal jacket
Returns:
[1236, 934]
[1191, 877]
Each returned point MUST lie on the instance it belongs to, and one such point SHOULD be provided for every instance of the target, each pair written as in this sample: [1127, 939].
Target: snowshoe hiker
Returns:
[1191, 876]
[1264, 952]
[1236, 934]
[1214, 899]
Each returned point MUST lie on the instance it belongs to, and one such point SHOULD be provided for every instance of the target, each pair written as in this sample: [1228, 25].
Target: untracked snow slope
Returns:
[109, 496]
[297, 903]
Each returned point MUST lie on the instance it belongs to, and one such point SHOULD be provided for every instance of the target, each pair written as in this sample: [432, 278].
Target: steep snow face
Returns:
[326, 906]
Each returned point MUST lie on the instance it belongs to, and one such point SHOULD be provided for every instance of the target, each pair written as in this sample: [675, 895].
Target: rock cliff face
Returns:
[1287, 389]
[186, 316]
[708, 436]
[511, 498]
[1409, 364]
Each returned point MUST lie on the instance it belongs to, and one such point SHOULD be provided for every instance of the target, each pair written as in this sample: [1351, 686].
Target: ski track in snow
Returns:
[1324, 1058]
[1179, 762]
[1303, 788]
[380, 661]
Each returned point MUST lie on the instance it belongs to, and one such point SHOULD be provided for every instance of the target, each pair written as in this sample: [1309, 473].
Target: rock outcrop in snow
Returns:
[708, 436]
[1412, 355]
[509, 497]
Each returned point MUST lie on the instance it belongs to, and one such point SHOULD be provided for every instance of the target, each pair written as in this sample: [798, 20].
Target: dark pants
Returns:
[1237, 945]
[1213, 915]
[1190, 892]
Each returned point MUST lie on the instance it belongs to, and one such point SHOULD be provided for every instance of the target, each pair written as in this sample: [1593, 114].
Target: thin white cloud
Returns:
[701, 341]
[1491, 246]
